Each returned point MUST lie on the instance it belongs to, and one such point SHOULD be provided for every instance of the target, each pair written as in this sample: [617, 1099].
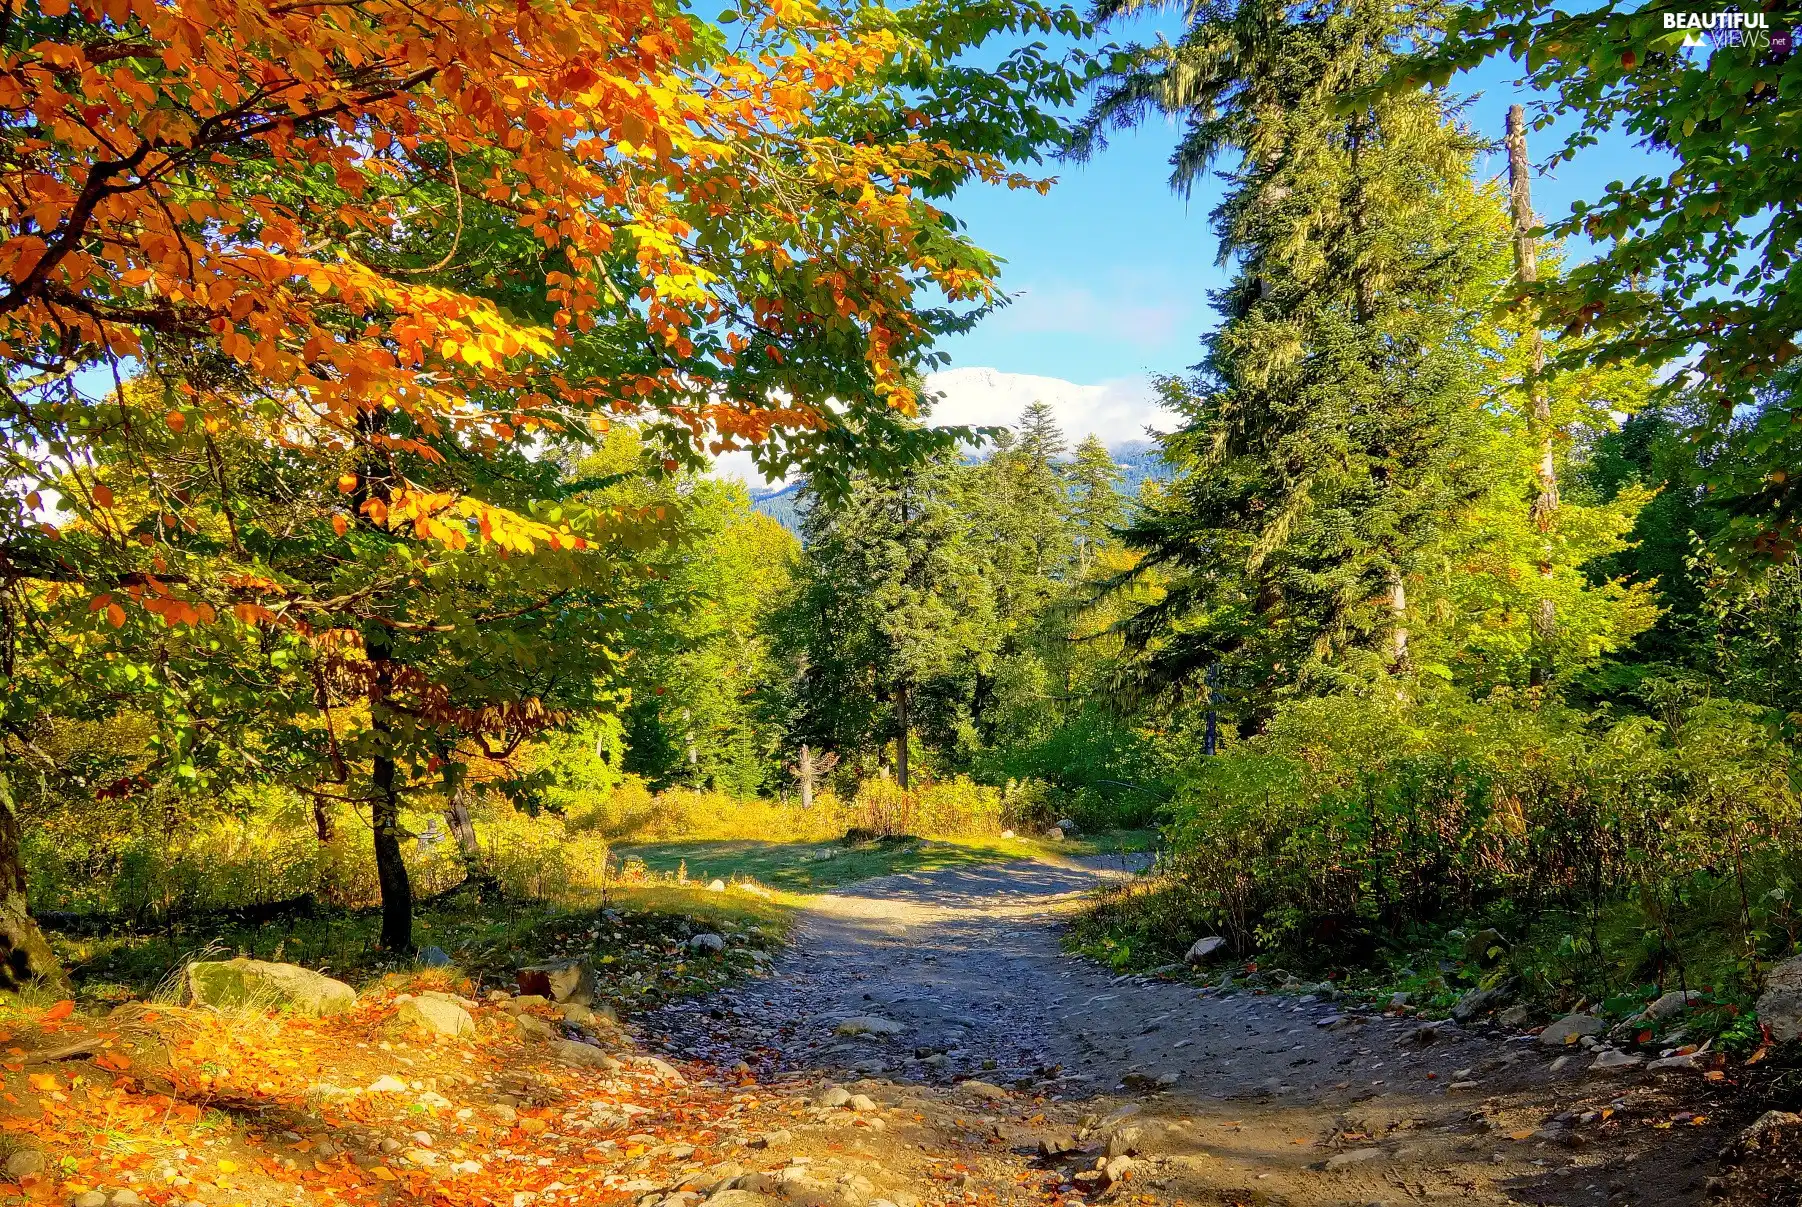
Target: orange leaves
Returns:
[60, 1010]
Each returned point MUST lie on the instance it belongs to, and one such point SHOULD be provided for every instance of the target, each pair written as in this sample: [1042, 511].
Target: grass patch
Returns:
[813, 867]
[637, 935]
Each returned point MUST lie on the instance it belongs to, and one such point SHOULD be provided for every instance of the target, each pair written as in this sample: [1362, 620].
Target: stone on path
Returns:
[261, 984]
[986, 1091]
[438, 1015]
[1670, 1005]
[1570, 1029]
[1610, 1060]
[575, 1052]
[869, 1024]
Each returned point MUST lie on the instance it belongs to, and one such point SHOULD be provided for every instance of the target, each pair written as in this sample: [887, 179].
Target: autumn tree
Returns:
[366, 248]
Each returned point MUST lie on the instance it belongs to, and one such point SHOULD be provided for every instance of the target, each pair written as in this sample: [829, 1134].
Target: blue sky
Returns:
[1112, 270]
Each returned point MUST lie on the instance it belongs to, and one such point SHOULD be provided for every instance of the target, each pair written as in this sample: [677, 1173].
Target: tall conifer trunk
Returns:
[1526, 269]
[901, 725]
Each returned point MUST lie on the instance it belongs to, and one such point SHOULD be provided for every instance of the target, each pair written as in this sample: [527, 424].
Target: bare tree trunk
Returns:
[1526, 269]
[390, 867]
[1398, 610]
[804, 773]
[456, 816]
[901, 726]
[25, 954]
[322, 821]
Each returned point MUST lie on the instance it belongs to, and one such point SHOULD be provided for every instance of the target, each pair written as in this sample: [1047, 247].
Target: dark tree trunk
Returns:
[25, 954]
[901, 725]
[322, 821]
[390, 868]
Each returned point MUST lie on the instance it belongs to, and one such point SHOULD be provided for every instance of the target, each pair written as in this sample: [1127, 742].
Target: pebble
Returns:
[24, 1163]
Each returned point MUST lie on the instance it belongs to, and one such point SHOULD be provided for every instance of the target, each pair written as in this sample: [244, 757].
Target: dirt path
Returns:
[905, 986]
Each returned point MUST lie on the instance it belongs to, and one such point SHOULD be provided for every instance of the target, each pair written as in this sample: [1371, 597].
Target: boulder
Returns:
[261, 984]
[1068, 827]
[869, 1024]
[711, 944]
[716, 886]
[1780, 1006]
[438, 1015]
[434, 957]
[1570, 1029]
[1201, 949]
[1670, 1005]
[1054, 834]
[1479, 1002]
[558, 980]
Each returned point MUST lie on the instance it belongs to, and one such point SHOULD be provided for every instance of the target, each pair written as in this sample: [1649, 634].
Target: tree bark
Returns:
[322, 821]
[804, 773]
[901, 725]
[390, 867]
[1526, 269]
[25, 955]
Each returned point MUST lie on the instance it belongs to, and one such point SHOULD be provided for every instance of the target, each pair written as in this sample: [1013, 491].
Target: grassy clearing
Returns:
[811, 867]
[636, 931]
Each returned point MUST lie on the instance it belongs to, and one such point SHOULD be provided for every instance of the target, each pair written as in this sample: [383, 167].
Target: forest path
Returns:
[926, 979]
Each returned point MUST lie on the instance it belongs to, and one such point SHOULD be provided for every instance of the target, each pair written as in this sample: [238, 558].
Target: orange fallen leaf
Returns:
[62, 1009]
[43, 1082]
[1523, 1135]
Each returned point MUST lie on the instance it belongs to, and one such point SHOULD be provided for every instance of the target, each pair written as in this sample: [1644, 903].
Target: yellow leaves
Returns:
[227, 1166]
[43, 1083]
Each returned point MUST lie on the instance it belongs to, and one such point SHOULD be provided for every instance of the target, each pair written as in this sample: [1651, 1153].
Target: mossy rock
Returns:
[262, 985]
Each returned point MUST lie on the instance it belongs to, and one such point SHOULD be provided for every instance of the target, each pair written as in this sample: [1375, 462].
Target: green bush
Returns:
[1357, 819]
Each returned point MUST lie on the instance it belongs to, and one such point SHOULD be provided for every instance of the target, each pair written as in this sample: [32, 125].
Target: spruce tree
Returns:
[1325, 434]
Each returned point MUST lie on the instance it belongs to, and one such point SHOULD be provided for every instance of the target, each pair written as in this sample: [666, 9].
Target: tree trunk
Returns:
[390, 868]
[322, 821]
[1526, 269]
[25, 955]
[1398, 610]
[901, 725]
[804, 773]
[456, 816]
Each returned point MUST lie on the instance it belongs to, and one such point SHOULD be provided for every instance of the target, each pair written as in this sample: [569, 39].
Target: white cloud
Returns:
[1117, 411]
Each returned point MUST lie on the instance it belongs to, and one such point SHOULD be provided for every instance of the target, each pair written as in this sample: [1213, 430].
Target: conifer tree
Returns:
[1324, 434]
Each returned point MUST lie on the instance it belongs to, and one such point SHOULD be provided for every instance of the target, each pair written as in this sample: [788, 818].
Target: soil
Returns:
[948, 992]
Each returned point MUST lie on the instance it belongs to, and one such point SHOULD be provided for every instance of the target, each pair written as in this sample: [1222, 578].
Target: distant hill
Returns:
[1139, 459]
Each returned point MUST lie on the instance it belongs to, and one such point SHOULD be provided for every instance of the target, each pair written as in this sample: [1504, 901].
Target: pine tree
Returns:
[890, 619]
[1097, 509]
[1324, 434]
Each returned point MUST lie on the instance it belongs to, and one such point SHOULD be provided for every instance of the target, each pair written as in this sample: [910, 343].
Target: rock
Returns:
[1356, 1156]
[1570, 1029]
[712, 944]
[741, 1198]
[1201, 949]
[526, 1001]
[25, 1162]
[833, 1096]
[1056, 1146]
[558, 980]
[1124, 1141]
[1425, 1035]
[1054, 834]
[438, 1016]
[986, 1091]
[1670, 1005]
[1766, 1128]
[1611, 1060]
[1007, 834]
[575, 1052]
[1479, 1002]
[1486, 948]
[1116, 1170]
[862, 1103]
[434, 957]
[91, 1198]
[716, 886]
[1515, 1016]
[125, 1198]
[387, 1083]
[1069, 827]
[771, 1139]
[869, 1024]
[1400, 999]
[662, 1069]
[532, 1027]
[1675, 1064]
[261, 984]
[1780, 1006]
